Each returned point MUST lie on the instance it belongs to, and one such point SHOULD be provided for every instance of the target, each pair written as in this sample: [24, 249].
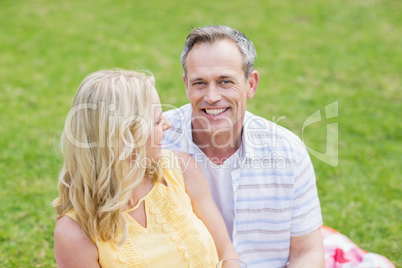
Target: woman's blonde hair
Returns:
[103, 145]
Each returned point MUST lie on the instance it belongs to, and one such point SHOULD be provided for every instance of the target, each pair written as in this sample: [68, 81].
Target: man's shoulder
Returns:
[178, 114]
[257, 127]
[180, 119]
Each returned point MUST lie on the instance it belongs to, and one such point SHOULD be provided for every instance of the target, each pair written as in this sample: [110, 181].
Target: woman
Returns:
[123, 201]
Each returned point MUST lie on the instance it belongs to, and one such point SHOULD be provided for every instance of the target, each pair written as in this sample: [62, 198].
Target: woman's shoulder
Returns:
[176, 159]
[175, 166]
[67, 228]
[183, 158]
[73, 248]
[189, 168]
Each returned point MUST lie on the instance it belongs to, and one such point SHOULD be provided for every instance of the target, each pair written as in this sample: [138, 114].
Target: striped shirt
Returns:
[274, 188]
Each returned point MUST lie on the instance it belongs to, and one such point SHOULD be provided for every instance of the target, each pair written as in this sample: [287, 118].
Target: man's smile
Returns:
[215, 112]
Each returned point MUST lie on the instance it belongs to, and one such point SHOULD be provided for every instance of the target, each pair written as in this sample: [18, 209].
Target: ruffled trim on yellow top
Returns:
[129, 253]
[181, 230]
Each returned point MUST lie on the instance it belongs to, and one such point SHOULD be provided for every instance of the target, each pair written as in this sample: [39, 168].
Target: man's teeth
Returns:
[215, 111]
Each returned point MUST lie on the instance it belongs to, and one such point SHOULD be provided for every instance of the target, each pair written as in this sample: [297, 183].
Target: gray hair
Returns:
[213, 33]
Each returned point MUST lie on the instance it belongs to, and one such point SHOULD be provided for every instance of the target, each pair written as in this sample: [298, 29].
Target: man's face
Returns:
[216, 86]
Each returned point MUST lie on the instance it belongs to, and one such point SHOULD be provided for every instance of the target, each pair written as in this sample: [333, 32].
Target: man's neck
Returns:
[218, 147]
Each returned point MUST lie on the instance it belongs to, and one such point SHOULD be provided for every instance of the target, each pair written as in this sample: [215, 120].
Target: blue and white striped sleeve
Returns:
[306, 216]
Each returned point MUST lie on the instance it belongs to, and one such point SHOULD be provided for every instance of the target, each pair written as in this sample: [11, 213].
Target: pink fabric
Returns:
[341, 252]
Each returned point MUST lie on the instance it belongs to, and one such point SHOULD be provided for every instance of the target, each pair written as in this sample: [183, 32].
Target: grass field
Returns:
[310, 54]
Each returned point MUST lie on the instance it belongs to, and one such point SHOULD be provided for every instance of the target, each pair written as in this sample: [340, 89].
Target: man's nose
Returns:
[213, 94]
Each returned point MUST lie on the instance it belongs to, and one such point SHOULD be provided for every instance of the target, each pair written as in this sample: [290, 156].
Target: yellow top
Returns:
[174, 236]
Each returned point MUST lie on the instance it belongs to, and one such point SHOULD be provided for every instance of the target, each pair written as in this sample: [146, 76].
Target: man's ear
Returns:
[253, 84]
[185, 84]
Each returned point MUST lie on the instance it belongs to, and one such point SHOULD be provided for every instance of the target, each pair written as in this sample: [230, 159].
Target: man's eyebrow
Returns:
[226, 76]
[195, 79]
[219, 77]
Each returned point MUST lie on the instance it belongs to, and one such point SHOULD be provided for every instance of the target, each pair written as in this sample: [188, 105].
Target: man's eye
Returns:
[226, 82]
[199, 83]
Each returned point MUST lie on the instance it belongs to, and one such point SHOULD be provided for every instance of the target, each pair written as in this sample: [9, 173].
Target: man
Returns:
[260, 174]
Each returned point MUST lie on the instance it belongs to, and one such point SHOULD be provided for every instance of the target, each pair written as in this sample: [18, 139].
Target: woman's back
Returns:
[173, 235]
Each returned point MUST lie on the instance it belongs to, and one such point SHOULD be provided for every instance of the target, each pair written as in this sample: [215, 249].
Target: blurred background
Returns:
[311, 53]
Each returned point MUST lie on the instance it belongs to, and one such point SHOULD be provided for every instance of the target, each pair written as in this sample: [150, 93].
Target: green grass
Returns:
[310, 54]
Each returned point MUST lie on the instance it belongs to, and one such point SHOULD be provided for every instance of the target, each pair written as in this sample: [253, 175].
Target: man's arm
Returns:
[307, 251]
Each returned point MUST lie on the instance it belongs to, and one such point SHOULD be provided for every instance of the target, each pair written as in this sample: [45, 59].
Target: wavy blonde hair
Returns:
[103, 145]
